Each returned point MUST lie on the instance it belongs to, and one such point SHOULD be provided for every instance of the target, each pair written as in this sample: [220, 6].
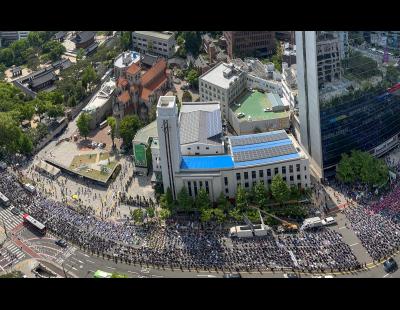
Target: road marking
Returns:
[343, 227]
[74, 268]
[110, 267]
[79, 261]
[90, 261]
[85, 255]
[386, 275]
[157, 276]
[134, 272]
[354, 244]
[206, 275]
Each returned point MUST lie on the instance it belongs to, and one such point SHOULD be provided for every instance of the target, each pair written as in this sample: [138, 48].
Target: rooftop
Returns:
[101, 97]
[145, 133]
[200, 123]
[253, 103]
[156, 34]
[222, 75]
[206, 162]
[263, 148]
[84, 36]
[133, 69]
[126, 59]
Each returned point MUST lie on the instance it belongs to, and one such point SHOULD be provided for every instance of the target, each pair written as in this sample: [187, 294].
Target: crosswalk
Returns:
[70, 251]
[10, 220]
[10, 254]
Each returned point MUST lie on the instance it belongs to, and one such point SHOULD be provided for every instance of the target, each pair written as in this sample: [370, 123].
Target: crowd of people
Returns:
[182, 246]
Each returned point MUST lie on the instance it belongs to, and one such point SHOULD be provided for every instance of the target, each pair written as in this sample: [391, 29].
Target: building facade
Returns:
[363, 113]
[247, 43]
[247, 160]
[160, 43]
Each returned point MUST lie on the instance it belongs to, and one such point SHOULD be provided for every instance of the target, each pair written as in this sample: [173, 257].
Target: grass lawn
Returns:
[83, 159]
[99, 175]
[104, 156]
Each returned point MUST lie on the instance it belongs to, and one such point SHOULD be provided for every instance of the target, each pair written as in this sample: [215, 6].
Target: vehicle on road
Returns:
[15, 211]
[232, 275]
[102, 274]
[390, 265]
[312, 222]
[62, 243]
[34, 223]
[328, 221]
[290, 275]
[4, 201]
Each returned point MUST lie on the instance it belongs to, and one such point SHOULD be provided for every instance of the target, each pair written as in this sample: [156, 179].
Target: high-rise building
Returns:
[9, 36]
[345, 102]
[249, 43]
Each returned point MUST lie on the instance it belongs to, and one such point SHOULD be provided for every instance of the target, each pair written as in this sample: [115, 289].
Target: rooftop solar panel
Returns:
[264, 153]
[254, 139]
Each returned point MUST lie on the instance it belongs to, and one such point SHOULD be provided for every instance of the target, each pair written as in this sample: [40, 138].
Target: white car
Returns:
[328, 221]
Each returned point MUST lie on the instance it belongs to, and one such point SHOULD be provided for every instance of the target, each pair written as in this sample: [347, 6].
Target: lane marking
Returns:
[386, 275]
[86, 255]
[206, 275]
[90, 261]
[343, 227]
[110, 267]
[354, 244]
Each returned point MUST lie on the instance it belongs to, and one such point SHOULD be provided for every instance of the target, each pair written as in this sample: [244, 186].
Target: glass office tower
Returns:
[349, 94]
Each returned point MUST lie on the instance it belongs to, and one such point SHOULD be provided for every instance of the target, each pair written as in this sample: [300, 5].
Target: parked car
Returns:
[328, 221]
[62, 243]
[15, 211]
[290, 275]
[232, 275]
[390, 265]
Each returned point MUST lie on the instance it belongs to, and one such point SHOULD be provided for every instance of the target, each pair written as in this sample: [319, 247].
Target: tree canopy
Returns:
[279, 188]
[129, 125]
[83, 124]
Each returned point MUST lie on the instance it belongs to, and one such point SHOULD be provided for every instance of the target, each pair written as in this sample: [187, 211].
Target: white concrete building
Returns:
[123, 61]
[100, 106]
[160, 43]
[222, 83]
[289, 85]
[247, 159]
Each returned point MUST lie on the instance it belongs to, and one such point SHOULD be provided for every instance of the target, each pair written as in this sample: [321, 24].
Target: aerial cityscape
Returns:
[199, 154]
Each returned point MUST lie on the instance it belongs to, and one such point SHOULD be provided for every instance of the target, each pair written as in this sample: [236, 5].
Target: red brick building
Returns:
[250, 43]
[137, 92]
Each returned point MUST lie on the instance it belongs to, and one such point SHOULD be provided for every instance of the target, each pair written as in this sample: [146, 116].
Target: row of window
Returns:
[154, 42]
[247, 184]
[269, 172]
[197, 185]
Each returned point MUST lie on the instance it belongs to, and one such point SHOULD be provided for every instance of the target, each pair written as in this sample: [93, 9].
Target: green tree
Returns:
[202, 200]
[34, 39]
[392, 74]
[187, 96]
[126, 40]
[165, 214]
[193, 77]
[235, 214]
[345, 171]
[260, 194]
[89, 76]
[112, 122]
[206, 215]
[25, 144]
[53, 50]
[222, 202]
[166, 200]
[7, 56]
[219, 215]
[138, 216]
[185, 202]
[10, 134]
[80, 53]
[128, 127]
[83, 124]
[279, 188]
[241, 198]
[151, 212]
[26, 111]
[54, 111]
[192, 42]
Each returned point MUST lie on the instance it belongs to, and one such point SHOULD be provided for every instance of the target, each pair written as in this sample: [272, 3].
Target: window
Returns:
[198, 147]
[269, 181]
[261, 173]
[207, 148]
[226, 181]
[276, 170]
[201, 184]
[189, 148]
[268, 172]
[298, 167]
[291, 169]
[298, 177]
[207, 189]
[283, 169]
[190, 188]
[246, 184]
[226, 191]
[305, 177]
[195, 188]
[305, 168]
[238, 176]
[246, 175]
[291, 178]
[253, 174]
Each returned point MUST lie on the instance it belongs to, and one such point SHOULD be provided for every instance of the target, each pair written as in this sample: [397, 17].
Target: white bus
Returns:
[4, 201]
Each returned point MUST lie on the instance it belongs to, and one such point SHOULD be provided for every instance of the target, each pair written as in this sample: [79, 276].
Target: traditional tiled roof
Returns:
[122, 82]
[157, 69]
[133, 69]
[124, 97]
[145, 94]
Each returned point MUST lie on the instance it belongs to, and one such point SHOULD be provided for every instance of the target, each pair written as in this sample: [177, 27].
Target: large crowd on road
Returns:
[182, 246]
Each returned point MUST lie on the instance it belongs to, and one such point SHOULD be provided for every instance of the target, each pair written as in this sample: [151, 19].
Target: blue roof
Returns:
[206, 162]
[259, 146]
[266, 160]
